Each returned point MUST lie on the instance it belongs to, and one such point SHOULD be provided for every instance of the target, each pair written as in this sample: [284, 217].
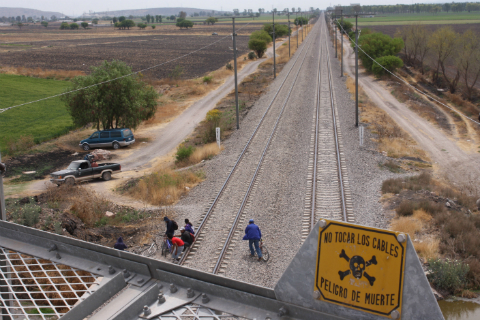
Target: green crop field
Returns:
[41, 120]
[404, 19]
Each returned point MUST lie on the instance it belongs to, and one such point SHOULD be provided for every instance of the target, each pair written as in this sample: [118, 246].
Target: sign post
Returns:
[217, 133]
[361, 268]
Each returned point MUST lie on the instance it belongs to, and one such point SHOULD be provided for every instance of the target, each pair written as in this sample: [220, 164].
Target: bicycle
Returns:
[150, 250]
[265, 253]
[166, 246]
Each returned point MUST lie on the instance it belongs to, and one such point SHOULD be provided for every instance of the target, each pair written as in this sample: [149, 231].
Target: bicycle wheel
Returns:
[150, 251]
[265, 254]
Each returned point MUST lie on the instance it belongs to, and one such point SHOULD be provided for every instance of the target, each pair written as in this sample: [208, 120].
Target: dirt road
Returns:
[454, 163]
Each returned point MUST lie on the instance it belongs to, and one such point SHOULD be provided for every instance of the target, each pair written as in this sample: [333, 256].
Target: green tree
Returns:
[211, 20]
[141, 25]
[95, 21]
[259, 46]
[84, 25]
[125, 24]
[74, 26]
[148, 18]
[184, 24]
[261, 35]
[121, 18]
[300, 21]
[44, 23]
[64, 26]
[280, 29]
[347, 26]
[114, 20]
[391, 63]
[125, 102]
[377, 45]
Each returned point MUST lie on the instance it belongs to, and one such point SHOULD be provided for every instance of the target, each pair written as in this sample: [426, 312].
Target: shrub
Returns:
[27, 215]
[181, 23]
[207, 79]
[141, 25]
[213, 121]
[176, 73]
[229, 66]
[405, 208]
[74, 26]
[153, 27]
[64, 26]
[84, 25]
[251, 55]
[391, 63]
[44, 23]
[377, 45]
[183, 153]
[450, 275]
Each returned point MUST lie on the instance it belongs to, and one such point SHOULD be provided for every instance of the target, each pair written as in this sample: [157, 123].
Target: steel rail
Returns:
[212, 206]
[317, 115]
[260, 162]
[339, 164]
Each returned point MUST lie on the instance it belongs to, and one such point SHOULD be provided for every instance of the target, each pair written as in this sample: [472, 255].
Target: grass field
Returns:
[42, 120]
[404, 19]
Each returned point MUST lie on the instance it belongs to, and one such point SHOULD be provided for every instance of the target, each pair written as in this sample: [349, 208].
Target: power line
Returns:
[408, 84]
[127, 75]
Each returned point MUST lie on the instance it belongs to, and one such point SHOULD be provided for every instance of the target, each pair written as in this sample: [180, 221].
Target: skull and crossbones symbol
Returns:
[357, 267]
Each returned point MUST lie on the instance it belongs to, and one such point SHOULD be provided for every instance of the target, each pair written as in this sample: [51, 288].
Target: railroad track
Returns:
[328, 196]
[219, 218]
[329, 193]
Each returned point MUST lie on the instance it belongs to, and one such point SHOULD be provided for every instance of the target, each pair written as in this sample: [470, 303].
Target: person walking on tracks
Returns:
[253, 235]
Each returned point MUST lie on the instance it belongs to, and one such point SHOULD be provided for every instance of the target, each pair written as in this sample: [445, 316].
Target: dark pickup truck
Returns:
[82, 170]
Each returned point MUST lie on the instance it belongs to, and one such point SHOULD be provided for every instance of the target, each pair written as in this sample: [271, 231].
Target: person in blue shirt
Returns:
[253, 235]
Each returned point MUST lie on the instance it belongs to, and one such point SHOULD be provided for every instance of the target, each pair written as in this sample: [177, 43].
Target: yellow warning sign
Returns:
[360, 267]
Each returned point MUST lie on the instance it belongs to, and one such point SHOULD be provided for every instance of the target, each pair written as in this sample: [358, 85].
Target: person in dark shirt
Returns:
[253, 235]
[186, 238]
[170, 227]
[119, 245]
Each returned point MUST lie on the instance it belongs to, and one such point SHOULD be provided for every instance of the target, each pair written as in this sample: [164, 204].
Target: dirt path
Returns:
[454, 163]
[165, 139]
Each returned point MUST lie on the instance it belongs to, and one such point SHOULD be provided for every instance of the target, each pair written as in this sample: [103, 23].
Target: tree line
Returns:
[413, 8]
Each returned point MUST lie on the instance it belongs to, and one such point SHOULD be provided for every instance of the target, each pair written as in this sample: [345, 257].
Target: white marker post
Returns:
[360, 128]
[217, 132]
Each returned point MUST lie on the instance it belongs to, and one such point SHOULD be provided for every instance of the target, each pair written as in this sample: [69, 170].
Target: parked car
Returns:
[114, 138]
[82, 170]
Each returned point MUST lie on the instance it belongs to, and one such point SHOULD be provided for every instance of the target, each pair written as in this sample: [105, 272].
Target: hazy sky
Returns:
[78, 7]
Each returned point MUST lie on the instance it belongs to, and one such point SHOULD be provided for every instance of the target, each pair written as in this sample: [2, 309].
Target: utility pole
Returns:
[274, 64]
[341, 46]
[289, 33]
[296, 18]
[356, 70]
[235, 67]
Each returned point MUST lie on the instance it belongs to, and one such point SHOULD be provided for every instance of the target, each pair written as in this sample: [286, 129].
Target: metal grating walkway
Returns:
[34, 288]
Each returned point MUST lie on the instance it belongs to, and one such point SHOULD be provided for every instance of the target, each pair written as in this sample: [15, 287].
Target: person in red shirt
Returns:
[177, 247]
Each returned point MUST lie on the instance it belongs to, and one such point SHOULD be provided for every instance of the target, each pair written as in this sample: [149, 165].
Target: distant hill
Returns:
[13, 12]
[151, 11]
